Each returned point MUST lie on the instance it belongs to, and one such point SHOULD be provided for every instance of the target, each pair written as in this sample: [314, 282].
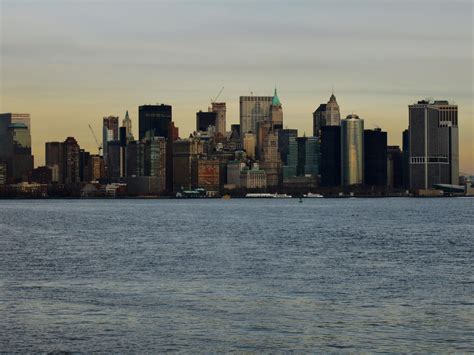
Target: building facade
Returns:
[375, 157]
[205, 120]
[352, 150]
[433, 144]
[326, 115]
[330, 156]
[110, 132]
[253, 109]
[220, 109]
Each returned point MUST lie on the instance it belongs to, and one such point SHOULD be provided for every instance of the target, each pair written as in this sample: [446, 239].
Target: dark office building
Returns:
[204, 120]
[330, 156]
[154, 119]
[114, 160]
[375, 157]
[406, 159]
[135, 159]
[157, 121]
[318, 120]
[54, 159]
[394, 167]
[84, 165]
[42, 175]
[284, 136]
[71, 161]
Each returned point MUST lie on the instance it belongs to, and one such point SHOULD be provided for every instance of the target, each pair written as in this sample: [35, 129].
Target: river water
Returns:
[387, 274]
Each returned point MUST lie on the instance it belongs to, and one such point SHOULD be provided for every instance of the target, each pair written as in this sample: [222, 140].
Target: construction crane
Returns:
[218, 94]
[99, 146]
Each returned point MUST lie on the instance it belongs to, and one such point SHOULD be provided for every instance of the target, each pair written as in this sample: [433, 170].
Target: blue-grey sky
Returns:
[69, 62]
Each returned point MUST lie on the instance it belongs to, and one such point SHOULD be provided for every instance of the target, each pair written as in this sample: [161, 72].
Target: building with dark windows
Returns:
[330, 167]
[84, 166]
[135, 163]
[375, 157]
[155, 160]
[406, 159]
[433, 142]
[41, 175]
[15, 145]
[110, 132]
[20, 162]
[154, 120]
[284, 136]
[54, 160]
[114, 161]
[204, 120]
[394, 167]
[308, 154]
[71, 152]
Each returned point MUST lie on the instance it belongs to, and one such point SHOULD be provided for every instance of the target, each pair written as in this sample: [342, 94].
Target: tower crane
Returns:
[99, 146]
[218, 94]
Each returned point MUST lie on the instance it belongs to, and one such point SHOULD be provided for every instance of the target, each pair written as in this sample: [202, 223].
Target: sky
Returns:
[69, 63]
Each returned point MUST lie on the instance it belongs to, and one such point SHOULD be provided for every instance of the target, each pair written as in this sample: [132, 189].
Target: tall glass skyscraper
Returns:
[352, 150]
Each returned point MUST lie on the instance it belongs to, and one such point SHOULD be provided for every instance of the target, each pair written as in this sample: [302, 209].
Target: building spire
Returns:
[275, 100]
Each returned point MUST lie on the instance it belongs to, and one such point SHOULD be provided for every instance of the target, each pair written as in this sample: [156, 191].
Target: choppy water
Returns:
[246, 275]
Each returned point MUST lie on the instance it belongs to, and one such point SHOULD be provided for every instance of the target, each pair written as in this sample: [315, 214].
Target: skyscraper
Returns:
[332, 115]
[71, 161]
[155, 160]
[21, 160]
[433, 144]
[276, 112]
[319, 119]
[154, 120]
[375, 157]
[394, 167]
[55, 160]
[352, 150]
[270, 159]
[185, 153]
[250, 144]
[220, 109]
[326, 115]
[303, 157]
[330, 156]
[127, 123]
[15, 136]
[110, 128]
[284, 136]
[253, 109]
[205, 119]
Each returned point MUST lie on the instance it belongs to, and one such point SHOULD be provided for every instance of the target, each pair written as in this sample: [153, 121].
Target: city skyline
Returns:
[94, 68]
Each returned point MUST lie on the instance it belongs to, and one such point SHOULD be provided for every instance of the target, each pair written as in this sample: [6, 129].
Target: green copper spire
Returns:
[126, 116]
[276, 100]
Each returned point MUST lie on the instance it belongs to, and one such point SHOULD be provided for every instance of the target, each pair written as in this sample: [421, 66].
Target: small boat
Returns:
[311, 195]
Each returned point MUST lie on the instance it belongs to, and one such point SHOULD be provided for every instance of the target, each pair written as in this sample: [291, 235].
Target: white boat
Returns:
[281, 196]
[311, 195]
[266, 195]
[259, 195]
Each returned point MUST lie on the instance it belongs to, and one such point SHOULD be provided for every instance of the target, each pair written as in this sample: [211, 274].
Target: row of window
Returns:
[422, 160]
